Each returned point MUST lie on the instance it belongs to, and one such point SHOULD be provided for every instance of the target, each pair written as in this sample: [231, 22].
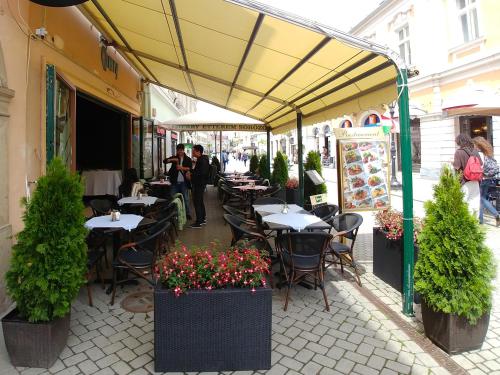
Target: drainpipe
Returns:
[269, 149]
[406, 163]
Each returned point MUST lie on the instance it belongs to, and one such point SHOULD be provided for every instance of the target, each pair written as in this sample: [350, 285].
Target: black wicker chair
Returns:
[326, 213]
[268, 200]
[101, 207]
[346, 226]
[139, 258]
[96, 251]
[302, 255]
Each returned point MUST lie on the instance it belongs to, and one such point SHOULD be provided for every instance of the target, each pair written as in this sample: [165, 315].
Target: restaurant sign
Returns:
[217, 127]
[107, 62]
[347, 133]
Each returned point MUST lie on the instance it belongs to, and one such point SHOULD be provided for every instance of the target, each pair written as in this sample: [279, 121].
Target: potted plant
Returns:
[280, 174]
[388, 247]
[47, 269]
[213, 311]
[263, 169]
[292, 190]
[313, 162]
[454, 271]
[254, 163]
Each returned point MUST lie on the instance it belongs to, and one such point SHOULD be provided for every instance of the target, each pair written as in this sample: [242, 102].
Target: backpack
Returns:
[473, 170]
[490, 167]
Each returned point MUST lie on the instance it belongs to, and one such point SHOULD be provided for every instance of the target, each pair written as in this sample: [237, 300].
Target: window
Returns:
[467, 18]
[404, 43]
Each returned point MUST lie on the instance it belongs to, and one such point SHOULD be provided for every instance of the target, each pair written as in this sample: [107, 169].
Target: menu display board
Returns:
[364, 174]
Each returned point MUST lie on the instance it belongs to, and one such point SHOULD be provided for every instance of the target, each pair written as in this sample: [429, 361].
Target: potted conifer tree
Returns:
[263, 168]
[280, 174]
[313, 162]
[47, 269]
[254, 163]
[454, 271]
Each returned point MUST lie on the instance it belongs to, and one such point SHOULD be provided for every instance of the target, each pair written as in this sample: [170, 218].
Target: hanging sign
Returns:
[346, 133]
[107, 61]
[217, 127]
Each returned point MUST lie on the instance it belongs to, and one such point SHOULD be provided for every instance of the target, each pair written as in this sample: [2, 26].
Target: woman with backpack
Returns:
[489, 181]
[468, 163]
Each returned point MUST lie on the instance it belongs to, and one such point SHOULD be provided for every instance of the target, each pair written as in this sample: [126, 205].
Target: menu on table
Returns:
[365, 175]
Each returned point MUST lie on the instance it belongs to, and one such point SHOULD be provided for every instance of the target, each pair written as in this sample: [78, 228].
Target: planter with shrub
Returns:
[292, 191]
[263, 169]
[47, 269]
[313, 162]
[254, 163]
[280, 174]
[388, 248]
[454, 271]
[213, 311]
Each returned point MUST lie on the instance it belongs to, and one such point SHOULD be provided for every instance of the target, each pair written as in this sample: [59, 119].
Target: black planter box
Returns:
[388, 260]
[292, 196]
[452, 333]
[217, 330]
[34, 344]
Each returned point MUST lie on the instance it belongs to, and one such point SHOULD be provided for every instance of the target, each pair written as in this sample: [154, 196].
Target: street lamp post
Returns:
[395, 184]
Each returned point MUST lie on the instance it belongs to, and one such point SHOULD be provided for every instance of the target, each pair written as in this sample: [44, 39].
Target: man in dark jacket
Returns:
[199, 177]
[181, 164]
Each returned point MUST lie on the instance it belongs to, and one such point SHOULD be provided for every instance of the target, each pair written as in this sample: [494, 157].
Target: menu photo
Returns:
[364, 175]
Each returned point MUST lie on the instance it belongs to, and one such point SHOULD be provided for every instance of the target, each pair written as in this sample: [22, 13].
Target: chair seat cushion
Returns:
[339, 247]
[301, 261]
[140, 258]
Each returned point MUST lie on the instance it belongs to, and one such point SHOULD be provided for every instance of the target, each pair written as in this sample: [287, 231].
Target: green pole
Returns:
[406, 163]
[269, 149]
[299, 156]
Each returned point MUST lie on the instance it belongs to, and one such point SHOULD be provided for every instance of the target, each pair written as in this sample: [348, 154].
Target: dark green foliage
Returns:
[455, 269]
[49, 261]
[263, 167]
[313, 161]
[254, 163]
[280, 170]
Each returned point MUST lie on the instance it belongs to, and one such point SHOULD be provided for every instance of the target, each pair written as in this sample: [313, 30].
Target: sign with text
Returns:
[107, 62]
[349, 133]
[217, 127]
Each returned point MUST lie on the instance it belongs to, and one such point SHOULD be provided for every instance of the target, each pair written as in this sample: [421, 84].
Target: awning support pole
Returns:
[406, 163]
[269, 149]
[220, 158]
[299, 155]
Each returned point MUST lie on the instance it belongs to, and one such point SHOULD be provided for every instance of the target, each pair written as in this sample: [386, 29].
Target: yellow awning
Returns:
[249, 58]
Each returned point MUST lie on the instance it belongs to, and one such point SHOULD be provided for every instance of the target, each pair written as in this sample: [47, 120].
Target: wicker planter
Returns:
[452, 333]
[34, 344]
[388, 260]
[218, 330]
[292, 196]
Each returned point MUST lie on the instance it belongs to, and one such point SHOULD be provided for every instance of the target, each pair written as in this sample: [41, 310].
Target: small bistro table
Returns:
[251, 190]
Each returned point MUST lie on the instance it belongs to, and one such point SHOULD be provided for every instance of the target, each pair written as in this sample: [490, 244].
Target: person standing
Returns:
[199, 176]
[489, 181]
[245, 158]
[181, 164]
[464, 159]
[225, 159]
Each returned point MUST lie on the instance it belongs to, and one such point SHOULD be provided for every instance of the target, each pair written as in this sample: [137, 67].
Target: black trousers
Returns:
[199, 204]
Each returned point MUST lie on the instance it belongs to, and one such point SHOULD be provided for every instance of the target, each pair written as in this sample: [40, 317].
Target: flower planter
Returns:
[452, 333]
[388, 260]
[292, 196]
[34, 344]
[217, 330]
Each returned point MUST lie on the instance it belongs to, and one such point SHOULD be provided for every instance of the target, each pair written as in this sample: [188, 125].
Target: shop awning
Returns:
[249, 58]
[470, 101]
[214, 121]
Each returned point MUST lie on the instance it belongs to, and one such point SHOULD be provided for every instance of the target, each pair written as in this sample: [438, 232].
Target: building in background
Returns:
[455, 46]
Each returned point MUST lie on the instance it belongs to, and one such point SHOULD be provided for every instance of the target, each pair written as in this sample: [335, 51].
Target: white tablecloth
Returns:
[127, 222]
[147, 201]
[296, 221]
[248, 187]
[165, 183]
[276, 208]
[102, 182]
